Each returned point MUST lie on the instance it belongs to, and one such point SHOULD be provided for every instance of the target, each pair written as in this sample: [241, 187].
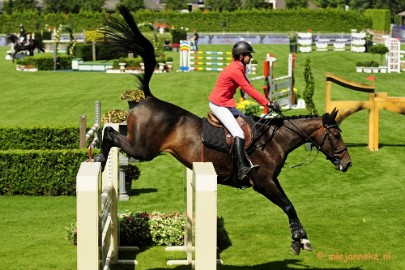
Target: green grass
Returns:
[358, 212]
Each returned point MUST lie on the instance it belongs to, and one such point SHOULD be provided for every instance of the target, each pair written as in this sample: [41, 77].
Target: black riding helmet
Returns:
[241, 47]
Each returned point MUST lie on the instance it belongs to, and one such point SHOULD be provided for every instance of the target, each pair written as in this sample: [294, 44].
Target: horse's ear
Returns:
[328, 119]
[334, 113]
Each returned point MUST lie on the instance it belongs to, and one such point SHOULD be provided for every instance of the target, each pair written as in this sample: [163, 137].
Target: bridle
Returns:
[335, 157]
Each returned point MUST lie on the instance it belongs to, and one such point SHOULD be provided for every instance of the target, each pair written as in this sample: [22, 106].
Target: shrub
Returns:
[309, 88]
[155, 229]
[38, 138]
[46, 62]
[40, 172]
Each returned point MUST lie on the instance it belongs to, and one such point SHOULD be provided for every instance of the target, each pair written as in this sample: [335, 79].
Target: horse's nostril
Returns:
[349, 165]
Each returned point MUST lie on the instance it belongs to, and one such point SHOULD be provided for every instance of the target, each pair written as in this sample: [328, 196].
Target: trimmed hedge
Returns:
[32, 162]
[46, 62]
[322, 20]
[381, 19]
[103, 52]
[39, 172]
[40, 138]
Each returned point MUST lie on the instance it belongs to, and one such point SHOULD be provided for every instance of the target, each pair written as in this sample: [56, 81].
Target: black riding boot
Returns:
[245, 167]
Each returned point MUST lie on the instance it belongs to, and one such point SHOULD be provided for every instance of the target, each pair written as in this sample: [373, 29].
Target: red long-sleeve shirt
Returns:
[230, 78]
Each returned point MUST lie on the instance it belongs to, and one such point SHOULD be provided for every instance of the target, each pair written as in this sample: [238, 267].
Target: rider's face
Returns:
[246, 57]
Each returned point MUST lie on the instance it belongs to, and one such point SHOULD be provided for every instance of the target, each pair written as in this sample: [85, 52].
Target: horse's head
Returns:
[331, 143]
[10, 38]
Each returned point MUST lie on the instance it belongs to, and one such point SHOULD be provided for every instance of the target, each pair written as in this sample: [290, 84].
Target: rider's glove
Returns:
[274, 106]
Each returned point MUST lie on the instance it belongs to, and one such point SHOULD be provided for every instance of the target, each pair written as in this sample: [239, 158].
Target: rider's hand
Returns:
[274, 106]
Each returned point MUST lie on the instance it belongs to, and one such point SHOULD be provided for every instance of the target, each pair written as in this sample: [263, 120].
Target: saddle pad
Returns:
[214, 137]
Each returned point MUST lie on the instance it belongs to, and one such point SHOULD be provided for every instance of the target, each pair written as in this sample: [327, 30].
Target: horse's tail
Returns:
[126, 37]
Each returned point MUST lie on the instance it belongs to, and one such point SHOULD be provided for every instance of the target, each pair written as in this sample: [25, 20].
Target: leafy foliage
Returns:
[324, 20]
[309, 88]
[40, 172]
[154, 229]
[37, 138]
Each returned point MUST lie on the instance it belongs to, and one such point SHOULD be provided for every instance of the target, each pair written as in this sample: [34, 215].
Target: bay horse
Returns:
[155, 126]
[30, 45]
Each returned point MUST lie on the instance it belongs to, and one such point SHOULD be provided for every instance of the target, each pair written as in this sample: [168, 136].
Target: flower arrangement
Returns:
[155, 229]
[248, 107]
[133, 95]
[115, 116]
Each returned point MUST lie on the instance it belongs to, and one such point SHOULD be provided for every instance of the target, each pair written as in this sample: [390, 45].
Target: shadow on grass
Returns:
[381, 145]
[139, 191]
[277, 265]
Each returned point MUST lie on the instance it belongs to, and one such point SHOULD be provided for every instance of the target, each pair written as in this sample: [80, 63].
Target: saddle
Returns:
[216, 136]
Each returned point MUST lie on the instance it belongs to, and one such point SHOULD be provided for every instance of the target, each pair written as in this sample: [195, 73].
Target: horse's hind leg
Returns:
[274, 192]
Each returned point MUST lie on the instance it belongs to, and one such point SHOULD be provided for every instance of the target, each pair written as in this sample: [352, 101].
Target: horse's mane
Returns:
[126, 37]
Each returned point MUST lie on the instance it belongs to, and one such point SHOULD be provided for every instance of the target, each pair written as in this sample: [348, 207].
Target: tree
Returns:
[91, 5]
[258, 4]
[296, 3]
[73, 6]
[11, 6]
[176, 4]
[54, 6]
[133, 5]
[331, 3]
[223, 5]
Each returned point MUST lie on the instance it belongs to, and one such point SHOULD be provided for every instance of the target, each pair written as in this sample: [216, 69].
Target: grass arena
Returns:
[354, 219]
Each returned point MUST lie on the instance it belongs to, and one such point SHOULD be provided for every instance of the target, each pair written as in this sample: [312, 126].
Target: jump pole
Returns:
[273, 85]
[200, 243]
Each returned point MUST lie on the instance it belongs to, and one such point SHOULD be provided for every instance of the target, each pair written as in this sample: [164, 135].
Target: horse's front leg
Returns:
[274, 192]
[111, 138]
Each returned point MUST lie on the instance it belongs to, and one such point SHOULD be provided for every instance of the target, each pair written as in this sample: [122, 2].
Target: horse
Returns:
[155, 126]
[30, 45]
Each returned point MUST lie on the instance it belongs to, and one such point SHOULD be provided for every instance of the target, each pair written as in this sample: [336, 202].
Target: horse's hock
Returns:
[375, 102]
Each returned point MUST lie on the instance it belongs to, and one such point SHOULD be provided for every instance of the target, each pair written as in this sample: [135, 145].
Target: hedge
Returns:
[39, 172]
[381, 19]
[38, 138]
[322, 20]
[46, 62]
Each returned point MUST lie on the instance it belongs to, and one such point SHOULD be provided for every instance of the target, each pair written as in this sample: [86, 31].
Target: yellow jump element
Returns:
[375, 102]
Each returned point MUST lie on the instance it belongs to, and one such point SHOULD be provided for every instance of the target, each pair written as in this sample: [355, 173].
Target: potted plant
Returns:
[359, 66]
[169, 62]
[115, 116]
[132, 173]
[133, 97]
[374, 66]
[380, 49]
[367, 67]
[293, 37]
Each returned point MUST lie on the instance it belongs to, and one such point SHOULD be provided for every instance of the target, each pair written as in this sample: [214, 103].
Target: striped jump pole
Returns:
[202, 60]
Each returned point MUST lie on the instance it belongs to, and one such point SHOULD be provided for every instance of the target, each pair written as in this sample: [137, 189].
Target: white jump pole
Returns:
[88, 202]
[205, 220]
[200, 243]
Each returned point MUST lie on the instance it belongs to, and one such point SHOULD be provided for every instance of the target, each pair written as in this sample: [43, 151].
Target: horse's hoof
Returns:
[296, 247]
[306, 245]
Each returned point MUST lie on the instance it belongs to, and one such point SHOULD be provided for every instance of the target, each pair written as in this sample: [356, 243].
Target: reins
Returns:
[333, 158]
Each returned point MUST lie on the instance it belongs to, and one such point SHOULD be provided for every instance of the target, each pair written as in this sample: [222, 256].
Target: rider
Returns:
[223, 105]
[23, 35]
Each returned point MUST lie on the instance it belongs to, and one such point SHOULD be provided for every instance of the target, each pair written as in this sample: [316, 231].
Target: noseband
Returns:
[334, 158]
